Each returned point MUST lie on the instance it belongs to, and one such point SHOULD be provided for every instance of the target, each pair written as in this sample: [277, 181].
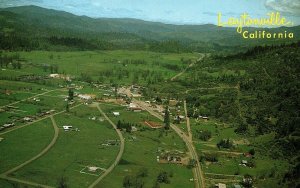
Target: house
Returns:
[86, 96]
[67, 127]
[244, 162]
[116, 113]
[36, 99]
[7, 125]
[54, 75]
[136, 95]
[136, 109]
[93, 168]
[237, 186]
[179, 118]
[220, 185]
[27, 119]
[174, 159]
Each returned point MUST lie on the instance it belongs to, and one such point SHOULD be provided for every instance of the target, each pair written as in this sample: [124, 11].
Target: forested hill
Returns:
[32, 27]
[258, 91]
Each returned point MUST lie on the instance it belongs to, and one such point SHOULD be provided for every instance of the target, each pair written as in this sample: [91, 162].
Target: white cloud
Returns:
[285, 6]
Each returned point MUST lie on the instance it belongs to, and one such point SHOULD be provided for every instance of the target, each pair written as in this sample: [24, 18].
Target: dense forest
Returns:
[36, 28]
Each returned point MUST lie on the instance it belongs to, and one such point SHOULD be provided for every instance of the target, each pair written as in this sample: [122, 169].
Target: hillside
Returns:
[257, 92]
[33, 26]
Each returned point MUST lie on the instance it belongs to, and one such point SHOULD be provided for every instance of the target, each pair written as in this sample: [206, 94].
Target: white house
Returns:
[54, 75]
[67, 127]
[86, 96]
[221, 185]
[116, 113]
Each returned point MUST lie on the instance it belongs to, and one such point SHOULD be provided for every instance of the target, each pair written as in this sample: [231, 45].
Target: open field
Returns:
[73, 151]
[108, 66]
[24, 143]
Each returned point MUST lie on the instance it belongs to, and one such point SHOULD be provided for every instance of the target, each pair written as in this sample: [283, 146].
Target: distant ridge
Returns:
[36, 22]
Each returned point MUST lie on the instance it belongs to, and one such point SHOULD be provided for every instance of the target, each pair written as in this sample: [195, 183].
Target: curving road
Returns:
[119, 154]
[45, 150]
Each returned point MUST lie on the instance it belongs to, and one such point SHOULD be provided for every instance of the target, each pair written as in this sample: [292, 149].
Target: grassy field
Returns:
[74, 151]
[108, 66]
[22, 144]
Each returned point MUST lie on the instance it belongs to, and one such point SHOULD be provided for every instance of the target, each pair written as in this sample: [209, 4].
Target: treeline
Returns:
[257, 50]
[15, 42]
[13, 60]
[18, 42]
[72, 42]
[127, 126]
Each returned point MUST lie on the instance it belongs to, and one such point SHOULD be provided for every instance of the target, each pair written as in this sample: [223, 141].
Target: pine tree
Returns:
[67, 107]
[167, 118]
[71, 94]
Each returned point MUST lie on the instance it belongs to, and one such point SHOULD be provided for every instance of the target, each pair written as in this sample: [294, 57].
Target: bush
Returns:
[204, 135]
[225, 143]
[252, 151]
[211, 157]
[163, 177]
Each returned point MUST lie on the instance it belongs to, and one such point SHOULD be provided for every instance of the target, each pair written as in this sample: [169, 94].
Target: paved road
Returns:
[198, 174]
[45, 150]
[118, 158]
[190, 135]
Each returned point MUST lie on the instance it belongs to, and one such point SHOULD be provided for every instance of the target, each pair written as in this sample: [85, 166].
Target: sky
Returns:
[169, 11]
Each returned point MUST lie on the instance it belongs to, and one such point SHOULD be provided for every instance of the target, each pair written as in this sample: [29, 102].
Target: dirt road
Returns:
[118, 158]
